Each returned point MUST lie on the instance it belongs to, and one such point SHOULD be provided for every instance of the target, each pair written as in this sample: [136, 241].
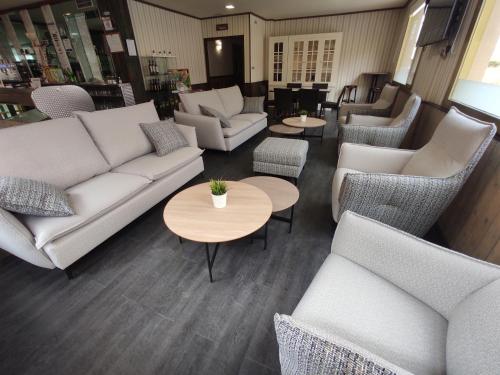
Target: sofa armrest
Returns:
[439, 277]
[189, 133]
[366, 158]
[16, 239]
[306, 350]
[208, 129]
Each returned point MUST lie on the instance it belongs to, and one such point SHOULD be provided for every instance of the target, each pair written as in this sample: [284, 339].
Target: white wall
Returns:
[237, 25]
[158, 29]
[368, 42]
[258, 62]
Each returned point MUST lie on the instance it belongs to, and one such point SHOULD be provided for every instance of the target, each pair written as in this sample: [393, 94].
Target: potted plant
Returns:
[303, 115]
[219, 193]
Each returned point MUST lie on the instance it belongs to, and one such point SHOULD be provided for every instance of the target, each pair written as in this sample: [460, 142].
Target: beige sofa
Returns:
[108, 168]
[210, 133]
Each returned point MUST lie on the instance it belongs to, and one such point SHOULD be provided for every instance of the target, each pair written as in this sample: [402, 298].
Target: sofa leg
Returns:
[69, 273]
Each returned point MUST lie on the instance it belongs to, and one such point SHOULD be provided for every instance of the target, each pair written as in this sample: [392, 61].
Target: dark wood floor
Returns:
[141, 303]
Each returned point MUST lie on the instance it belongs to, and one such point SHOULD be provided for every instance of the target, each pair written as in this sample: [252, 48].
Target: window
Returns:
[478, 81]
[409, 54]
[298, 51]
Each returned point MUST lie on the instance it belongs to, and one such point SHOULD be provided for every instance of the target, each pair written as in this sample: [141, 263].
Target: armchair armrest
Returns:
[307, 350]
[437, 276]
[379, 112]
[208, 129]
[373, 159]
[382, 136]
[16, 239]
[367, 120]
[345, 108]
[189, 133]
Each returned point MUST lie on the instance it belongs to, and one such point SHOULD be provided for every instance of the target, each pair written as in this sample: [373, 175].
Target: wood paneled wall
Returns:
[368, 45]
[471, 224]
[159, 29]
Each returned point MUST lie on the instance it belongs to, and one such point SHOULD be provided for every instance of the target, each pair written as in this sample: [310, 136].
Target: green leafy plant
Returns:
[218, 186]
[303, 112]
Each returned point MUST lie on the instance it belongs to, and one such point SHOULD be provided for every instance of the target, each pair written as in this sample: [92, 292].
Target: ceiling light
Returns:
[229, 6]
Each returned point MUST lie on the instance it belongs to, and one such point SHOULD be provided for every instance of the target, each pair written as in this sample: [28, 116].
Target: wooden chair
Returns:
[283, 102]
[344, 97]
[308, 100]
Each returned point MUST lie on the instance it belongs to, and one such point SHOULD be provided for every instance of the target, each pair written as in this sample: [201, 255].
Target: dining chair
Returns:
[321, 94]
[283, 102]
[292, 85]
[344, 97]
[308, 100]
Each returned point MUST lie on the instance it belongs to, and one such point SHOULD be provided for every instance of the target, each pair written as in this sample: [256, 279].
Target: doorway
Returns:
[225, 61]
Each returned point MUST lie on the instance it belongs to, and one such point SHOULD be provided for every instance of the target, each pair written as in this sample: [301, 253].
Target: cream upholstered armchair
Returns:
[385, 302]
[410, 189]
[380, 131]
[382, 107]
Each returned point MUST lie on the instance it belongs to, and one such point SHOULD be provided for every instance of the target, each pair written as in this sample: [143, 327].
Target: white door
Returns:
[278, 58]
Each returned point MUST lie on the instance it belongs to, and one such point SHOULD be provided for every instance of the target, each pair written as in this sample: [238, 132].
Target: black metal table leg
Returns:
[285, 219]
[180, 239]
[211, 259]
[265, 236]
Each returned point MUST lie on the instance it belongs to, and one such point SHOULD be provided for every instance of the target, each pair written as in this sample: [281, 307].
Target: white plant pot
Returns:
[220, 201]
[303, 118]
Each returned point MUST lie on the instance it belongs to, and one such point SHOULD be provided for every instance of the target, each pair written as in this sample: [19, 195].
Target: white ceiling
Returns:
[264, 8]
[276, 8]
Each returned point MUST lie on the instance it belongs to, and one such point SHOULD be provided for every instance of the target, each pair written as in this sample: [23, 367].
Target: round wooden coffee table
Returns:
[311, 122]
[283, 194]
[190, 214]
[285, 130]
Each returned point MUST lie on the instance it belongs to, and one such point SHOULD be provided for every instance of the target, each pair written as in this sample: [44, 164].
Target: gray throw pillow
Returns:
[164, 136]
[209, 111]
[32, 197]
[253, 104]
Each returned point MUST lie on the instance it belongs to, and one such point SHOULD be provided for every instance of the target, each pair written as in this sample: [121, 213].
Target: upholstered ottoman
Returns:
[281, 157]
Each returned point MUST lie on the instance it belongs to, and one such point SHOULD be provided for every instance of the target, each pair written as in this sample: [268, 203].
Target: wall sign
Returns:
[221, 27]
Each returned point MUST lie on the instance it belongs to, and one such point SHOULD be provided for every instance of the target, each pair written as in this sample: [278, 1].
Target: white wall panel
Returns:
[258, 64]
[159, 29]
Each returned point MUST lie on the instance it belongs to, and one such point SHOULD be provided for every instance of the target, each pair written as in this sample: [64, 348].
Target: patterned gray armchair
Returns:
[62, 101]
[410, 189]
[385, 302]
[380, 131]
[382, 107]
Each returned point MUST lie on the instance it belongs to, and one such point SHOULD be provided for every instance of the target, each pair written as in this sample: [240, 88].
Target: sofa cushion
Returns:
[338, 179]
[155, 167]
[32, 197]
[231, 99]
[191, 102]
[454, 142]
[253, 104]
[353, 303]
[211, 112]
[409, 112]
[165, 136]
[59, 152]
[474, 333]
[252, 117]
[90, 200]
[117, 132]
[237, 126]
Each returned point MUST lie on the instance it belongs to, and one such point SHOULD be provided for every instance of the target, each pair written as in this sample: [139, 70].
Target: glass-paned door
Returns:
[327, 64]
[311, 60]
[297, 60]
[278, 59]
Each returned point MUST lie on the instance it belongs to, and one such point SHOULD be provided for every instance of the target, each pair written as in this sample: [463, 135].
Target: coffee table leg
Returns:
[291, 221]
[265, 236]
[211, 259]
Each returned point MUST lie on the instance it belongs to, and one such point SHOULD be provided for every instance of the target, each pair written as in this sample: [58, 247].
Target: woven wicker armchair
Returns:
[382, 107]
[380, 131]
[410, 189]
[62, 101]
